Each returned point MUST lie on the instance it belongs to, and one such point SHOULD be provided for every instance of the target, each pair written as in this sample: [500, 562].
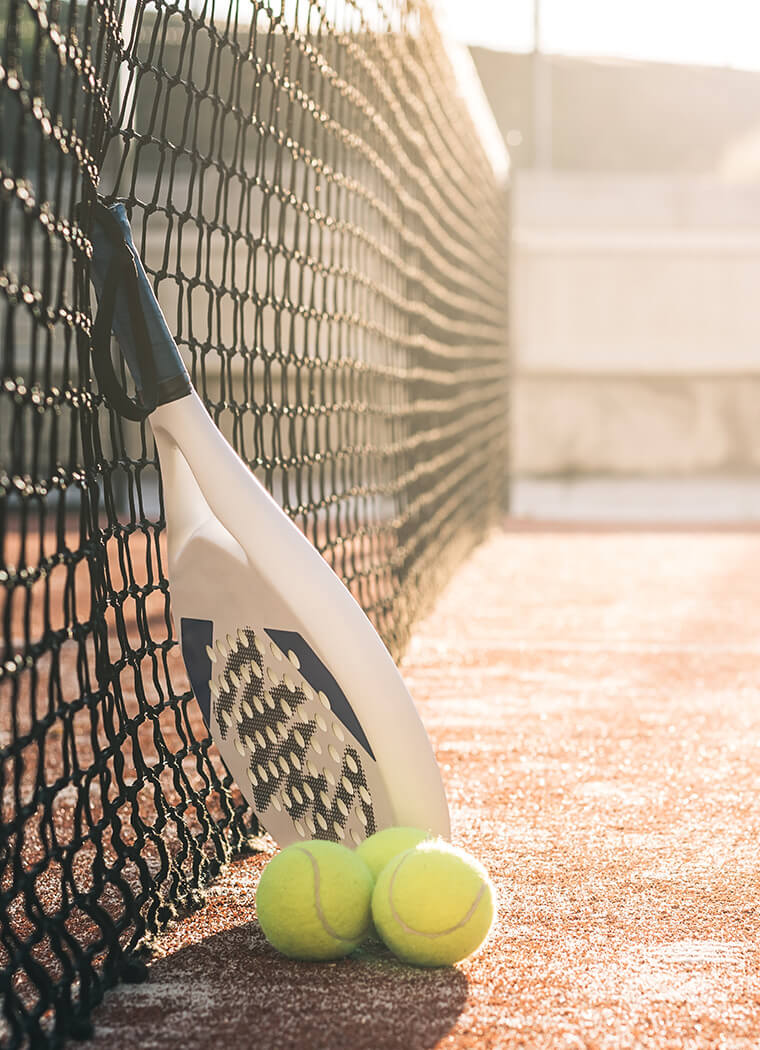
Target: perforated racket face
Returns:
[292, 740]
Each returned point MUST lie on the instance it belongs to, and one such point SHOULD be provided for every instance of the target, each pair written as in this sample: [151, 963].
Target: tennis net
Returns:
[323, 216]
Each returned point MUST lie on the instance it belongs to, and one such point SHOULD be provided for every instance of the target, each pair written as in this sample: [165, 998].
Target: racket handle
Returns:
[124, 291]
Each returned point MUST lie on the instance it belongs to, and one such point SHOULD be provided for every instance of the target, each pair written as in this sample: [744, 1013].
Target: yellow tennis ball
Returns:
[383, 846]
[313, 901]
[433, 905]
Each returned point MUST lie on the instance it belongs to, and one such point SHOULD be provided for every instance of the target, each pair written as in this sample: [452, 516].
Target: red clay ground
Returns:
[594, 699]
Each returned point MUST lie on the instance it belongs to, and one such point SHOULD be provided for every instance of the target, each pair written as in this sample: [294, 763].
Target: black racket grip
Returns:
[127, 306]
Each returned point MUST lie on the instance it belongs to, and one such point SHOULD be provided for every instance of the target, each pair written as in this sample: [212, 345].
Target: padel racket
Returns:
[301, 697]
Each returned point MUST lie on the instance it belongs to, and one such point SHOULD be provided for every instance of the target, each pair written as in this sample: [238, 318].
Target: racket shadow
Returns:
[233, 990]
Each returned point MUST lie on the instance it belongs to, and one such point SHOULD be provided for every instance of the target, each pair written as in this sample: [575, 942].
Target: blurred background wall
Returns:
[635, 291]
[636, 313]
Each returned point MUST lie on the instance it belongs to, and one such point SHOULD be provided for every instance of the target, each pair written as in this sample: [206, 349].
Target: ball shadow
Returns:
[233, 990]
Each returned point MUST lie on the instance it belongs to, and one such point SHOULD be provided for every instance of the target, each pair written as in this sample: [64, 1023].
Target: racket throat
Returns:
[186, 512]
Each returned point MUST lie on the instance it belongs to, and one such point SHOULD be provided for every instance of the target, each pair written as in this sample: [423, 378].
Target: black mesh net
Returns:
[326, 235]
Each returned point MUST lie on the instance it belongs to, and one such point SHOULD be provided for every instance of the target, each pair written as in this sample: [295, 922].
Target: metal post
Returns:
[542, 97]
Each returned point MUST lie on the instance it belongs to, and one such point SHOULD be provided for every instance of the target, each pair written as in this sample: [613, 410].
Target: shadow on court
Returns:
[233, 990]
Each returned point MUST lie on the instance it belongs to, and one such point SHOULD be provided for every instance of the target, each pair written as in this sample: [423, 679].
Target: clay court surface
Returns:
[594, 700]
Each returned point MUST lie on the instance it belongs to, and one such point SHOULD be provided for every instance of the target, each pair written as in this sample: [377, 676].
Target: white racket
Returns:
[302, 699]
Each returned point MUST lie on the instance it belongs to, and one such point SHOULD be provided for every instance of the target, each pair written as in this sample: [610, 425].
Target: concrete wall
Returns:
[635, 325]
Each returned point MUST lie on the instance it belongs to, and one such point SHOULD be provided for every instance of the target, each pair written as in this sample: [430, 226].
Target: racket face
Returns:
[287, 733]
[290, 737]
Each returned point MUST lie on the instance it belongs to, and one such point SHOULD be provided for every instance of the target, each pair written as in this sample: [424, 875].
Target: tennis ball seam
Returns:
[318, 904]
[424, 933]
